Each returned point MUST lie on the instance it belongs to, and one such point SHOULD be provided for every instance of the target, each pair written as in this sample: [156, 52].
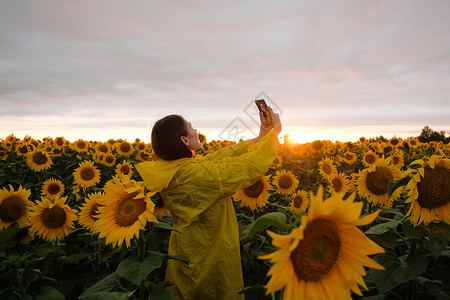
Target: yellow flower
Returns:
[125, 168]
[349, 157]
[86, 175]
[143, 156]
[103, 148]
[369, 158]
[52, 188]
[429, 191]
[277, 161]
[88, 212]
[125, 209]
[124, 148]
[160, 208]
[256, 195]
[81, 146]
[397, 159]
[339, 184]
[373, 182]
[326, 168]
[325, 257]
[24, 148]
[300, 202]
[59, 142]
[285, 182]
[52, 221]
[39, 160]
[14, 206]
[109, 160]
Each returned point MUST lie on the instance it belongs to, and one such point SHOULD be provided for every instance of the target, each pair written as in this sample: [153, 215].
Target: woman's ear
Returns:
[184, 140]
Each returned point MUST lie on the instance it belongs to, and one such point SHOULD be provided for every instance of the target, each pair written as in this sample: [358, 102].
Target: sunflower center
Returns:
[394, 142]
[144, 155]
[93, 212]
[53, 189]
[337, 184]
[298, 201]
[125, 147]
[59, 142]
[39, 158]
[318, 251]
[349, 156]
[326, 169]
[54, 217]
[109, 159]
[378, 181]
[12, 208]
[103, 148]
[128, 209]
[87, 174]
[125, 169]
[434, 188]
[395, 160]
[285, 181]
[141, 146]
[370, 159]
[255, 189]
[387, 149]
[81, 145]
[23, 149]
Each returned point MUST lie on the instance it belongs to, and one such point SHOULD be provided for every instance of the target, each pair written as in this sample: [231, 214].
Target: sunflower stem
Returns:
[412, 249]
[142, 250]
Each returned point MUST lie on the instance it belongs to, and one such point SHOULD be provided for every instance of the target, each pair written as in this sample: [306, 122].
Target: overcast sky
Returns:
[333, 69]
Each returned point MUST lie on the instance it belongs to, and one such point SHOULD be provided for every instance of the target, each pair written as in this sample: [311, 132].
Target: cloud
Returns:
[324, 63]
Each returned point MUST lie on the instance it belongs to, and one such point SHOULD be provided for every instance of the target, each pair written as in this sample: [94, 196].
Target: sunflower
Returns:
[14, 206]
[317, 146]
[373, 182]
[327, 168]
[52, 188]
[81, 146]
[140, 146]
[109, 160]
[352, 184]
[143, 156]
[339, 184]
[52, 221]
[388, 149]
[429, 191]
[285, 181]
[24, 235]
[24, 148]
[325, 257]
[277, 161]
[125, 168]
[11, 138]
[124, 148]
[256, 195]
[413, 142]
[300, 202]
[369, 158]
[39, 160]
[397, 159]
[59, 142]
[103, 147]
[160, 208]
[86, 175]
[349, 157]
[126, 210]
[88, 212]
[395, 142]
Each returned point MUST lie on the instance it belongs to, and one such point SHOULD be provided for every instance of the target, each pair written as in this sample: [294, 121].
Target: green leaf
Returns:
[434, 289]
[396, 270]
[110, 295]
[435, 244]
[411, 231]
[257, 288]
[393, 185]
[386, 240]
[383, 227]
[50, 293]
[166, 226]
[9, 233]
[160, 293]
[277, 219]
[135, 271]
[104, 285]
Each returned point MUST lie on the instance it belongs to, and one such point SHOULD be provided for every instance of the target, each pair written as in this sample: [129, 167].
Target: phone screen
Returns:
[262, 106]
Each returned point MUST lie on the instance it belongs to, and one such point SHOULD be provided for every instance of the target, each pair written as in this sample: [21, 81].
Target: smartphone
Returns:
[262, 106]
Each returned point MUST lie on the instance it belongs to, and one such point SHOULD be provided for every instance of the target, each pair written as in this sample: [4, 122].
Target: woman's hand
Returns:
[265, 128]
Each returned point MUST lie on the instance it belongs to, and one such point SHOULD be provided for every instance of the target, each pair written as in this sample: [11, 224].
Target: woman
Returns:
[197, 192]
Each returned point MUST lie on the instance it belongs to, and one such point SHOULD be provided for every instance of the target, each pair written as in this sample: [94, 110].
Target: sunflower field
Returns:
[329, 220]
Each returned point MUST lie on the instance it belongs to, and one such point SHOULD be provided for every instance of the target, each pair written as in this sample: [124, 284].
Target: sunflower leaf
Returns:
[383, 227]
[393, 185]
[135, 271]
[277, 219]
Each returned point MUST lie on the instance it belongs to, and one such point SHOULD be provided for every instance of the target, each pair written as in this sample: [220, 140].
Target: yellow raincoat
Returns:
[197, 192]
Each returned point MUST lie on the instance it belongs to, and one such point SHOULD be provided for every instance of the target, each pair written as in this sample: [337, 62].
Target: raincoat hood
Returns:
[158, 174]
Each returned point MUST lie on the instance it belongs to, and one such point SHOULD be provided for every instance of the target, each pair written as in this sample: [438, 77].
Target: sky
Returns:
[333, 70]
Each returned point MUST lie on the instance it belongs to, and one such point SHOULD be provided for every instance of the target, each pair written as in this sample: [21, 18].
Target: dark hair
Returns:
[166, 142]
